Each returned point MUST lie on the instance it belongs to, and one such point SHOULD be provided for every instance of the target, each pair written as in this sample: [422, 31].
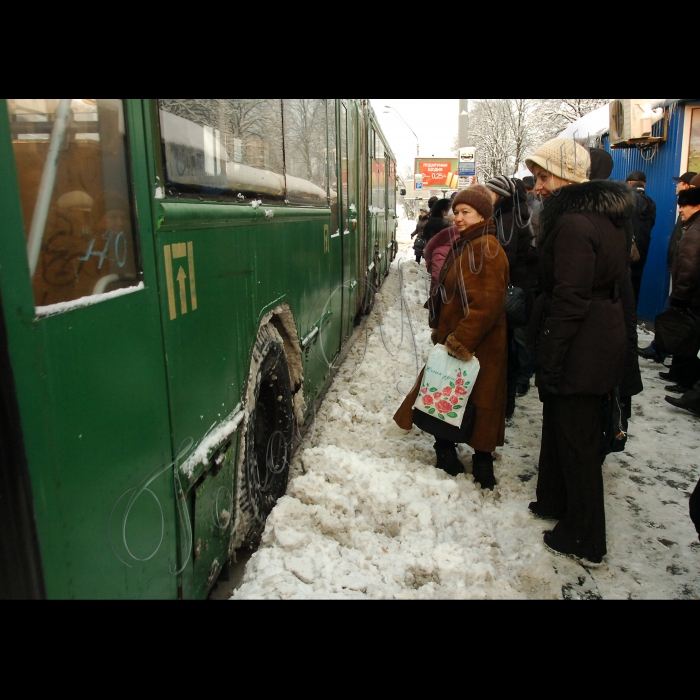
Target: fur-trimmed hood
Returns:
[608, 197]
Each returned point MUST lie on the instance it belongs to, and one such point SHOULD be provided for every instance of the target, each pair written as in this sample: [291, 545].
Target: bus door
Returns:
[78, 274]
[391, 215]
[337, 173]
[351, 232]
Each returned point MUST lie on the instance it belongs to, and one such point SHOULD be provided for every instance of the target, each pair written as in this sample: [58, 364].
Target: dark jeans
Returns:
[636, 284]
[526, 356]
[570, 481]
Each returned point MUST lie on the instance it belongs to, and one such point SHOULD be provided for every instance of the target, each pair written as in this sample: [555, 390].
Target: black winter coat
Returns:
[676, 236]
[631, 383]
[515, 235]
[584, 255]
[685, 271]
[642, 222]
[435, 225]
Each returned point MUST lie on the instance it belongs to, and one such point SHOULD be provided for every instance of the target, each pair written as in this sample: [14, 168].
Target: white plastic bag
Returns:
[447, 383]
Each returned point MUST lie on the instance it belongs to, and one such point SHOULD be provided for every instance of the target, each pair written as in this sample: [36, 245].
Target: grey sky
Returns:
[434, 121]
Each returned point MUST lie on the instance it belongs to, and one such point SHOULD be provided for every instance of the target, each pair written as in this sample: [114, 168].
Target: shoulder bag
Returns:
[516, 310]
[677, 333]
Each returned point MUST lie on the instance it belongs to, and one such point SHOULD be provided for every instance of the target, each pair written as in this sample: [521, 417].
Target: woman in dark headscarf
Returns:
[438, 219]
[512, 217]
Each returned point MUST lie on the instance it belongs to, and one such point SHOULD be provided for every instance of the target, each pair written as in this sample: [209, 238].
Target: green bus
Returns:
[177, 278]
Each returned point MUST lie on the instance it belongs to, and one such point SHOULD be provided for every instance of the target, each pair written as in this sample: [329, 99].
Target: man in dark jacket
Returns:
[650, 352]
[642, 222]
[685, 280]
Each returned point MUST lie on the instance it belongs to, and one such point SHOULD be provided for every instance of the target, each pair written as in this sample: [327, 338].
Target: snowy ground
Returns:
[367, 515]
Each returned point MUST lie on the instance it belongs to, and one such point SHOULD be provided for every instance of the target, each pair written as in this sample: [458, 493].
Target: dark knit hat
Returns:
[529, 182]
[689, 197]
[502, 185]
[477, 197]
[601, 164]
[636, 176]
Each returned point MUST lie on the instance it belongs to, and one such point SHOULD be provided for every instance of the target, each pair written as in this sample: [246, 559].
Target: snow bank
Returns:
[367, 515]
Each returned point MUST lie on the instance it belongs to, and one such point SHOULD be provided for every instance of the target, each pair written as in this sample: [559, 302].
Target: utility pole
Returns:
[463, 134]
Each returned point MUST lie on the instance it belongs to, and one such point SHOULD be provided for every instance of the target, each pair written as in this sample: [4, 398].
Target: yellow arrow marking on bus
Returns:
[181, 276]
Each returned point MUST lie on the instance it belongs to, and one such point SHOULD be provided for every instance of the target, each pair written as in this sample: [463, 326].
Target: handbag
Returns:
[419, 243]
[677, 333]
[442, 407]
[614, 424]
[516, 309]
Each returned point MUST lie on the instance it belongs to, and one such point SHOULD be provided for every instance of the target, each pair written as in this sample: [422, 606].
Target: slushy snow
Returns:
[367, 514]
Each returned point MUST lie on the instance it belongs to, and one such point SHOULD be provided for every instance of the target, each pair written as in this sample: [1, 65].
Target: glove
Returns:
[433, 336]
[456, 349]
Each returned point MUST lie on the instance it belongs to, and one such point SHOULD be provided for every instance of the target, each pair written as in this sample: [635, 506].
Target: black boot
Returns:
[687, 402]
[447, 458]
[482, 469]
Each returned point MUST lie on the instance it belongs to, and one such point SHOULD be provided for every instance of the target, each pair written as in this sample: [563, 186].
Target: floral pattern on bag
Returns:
[446, 385]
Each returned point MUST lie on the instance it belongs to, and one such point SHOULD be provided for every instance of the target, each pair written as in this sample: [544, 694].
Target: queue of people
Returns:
[566, 238]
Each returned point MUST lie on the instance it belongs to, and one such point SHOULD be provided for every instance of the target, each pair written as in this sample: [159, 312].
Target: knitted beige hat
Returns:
[562, 157]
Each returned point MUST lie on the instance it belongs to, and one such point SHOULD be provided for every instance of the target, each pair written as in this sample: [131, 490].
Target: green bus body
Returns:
[110, 401]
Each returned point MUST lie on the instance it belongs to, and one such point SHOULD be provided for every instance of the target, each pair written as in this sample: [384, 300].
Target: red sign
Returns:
[438, 172]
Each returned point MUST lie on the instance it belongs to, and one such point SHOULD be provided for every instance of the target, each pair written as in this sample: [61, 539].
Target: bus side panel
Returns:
[242, 271]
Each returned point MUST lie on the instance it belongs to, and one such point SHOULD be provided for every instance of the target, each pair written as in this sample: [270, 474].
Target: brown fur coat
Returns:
[476, 269]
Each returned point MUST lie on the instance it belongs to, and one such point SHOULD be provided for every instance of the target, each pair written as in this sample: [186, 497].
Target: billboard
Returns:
[437, 172]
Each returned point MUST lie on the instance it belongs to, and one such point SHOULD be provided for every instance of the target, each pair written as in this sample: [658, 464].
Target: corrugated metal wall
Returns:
[662, 189]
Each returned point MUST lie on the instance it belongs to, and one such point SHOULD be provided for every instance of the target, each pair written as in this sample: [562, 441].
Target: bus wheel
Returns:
[268, 437]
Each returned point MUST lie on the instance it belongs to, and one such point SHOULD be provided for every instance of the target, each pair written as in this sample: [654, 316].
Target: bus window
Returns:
[75, 195]
[305, 142]
[223, 147]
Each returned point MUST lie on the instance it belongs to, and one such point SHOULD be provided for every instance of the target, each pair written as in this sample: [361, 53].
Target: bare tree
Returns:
[505, 131]
[305, 139]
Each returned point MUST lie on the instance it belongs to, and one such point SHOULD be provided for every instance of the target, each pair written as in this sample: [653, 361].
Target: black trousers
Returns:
[513, 368]
[570, 481]
[694, 507]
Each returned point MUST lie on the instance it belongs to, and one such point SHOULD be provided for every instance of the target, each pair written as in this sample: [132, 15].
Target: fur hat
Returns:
[689, 197]
[562, 157]
[477, 197]
[502, 186]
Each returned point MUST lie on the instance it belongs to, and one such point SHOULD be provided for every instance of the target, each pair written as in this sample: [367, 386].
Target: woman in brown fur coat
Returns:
[468, 317]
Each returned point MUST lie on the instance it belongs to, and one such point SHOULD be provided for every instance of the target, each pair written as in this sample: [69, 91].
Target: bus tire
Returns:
[267, 441]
